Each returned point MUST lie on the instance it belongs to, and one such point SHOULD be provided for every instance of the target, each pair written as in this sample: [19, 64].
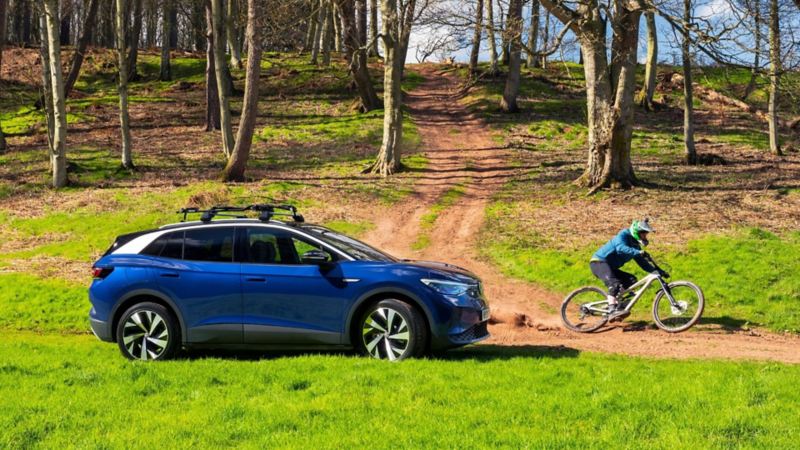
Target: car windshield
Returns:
[352, 247]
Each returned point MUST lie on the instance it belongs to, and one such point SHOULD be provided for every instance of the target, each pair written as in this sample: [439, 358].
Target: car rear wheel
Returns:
[392, 330]
[148, 331]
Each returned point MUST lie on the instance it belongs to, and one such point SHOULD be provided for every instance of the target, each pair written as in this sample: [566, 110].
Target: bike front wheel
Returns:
[684, 313]
[585, 309]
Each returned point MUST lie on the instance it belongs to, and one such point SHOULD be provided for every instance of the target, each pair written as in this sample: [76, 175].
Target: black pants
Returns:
[615, 279]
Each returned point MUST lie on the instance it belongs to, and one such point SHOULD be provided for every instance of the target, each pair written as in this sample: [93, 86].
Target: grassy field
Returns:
[72, 391]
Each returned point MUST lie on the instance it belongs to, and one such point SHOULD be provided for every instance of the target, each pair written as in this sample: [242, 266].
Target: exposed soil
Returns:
[462, 152]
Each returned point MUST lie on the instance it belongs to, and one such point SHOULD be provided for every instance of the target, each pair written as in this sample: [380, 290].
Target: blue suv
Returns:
[240, 282]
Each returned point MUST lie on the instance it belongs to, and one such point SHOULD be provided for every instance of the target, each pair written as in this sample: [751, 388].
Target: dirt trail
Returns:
[462, 153]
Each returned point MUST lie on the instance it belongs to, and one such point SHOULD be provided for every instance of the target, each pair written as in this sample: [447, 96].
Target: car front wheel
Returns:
[393, 330]
[148, 331]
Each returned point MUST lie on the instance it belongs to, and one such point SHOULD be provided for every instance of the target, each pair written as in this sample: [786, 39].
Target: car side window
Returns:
[271, 246]
[209, 244]
[168, 245]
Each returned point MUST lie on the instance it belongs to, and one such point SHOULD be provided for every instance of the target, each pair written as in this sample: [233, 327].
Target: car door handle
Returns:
[169, 274]
[256, 279]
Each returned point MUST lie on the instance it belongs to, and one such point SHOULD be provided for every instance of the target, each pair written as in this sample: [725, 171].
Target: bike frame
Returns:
[639, 287]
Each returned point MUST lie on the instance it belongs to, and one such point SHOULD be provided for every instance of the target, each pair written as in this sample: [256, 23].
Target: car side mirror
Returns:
[317, 257]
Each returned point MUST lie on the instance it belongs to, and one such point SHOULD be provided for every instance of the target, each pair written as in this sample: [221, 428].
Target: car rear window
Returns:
[169, 245]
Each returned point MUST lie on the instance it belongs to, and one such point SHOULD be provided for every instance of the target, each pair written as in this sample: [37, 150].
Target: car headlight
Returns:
[445, 287]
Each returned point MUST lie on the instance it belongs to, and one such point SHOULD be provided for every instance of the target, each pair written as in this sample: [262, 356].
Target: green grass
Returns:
[748, 276]
[428, 220]
[73, 391]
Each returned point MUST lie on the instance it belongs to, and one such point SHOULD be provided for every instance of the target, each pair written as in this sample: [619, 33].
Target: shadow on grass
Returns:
[482, 353]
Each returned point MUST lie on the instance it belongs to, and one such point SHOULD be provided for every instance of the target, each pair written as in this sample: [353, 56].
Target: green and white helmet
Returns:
[639, 226]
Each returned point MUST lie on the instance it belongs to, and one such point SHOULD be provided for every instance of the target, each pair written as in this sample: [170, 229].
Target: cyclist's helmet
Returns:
[639, 226]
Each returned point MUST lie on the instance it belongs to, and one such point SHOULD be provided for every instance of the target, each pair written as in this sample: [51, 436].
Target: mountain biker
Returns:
[606, 262]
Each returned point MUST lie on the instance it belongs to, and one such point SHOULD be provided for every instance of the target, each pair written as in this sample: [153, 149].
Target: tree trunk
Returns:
[47, 81]
[491, 36]
[312, 27]
[476, 37]
[212, 96]
[3, 14]
[152, 24]
[173, 24]
[546, 40]
[133, 41]
[80, 49]
[58, 151]
[356, 56]
[166, 71]
[327, 34]
[774, 76]
[337, 27]
[373, 28]
[122, 59]
[610, 105]
[217, 17]
[690, 151]
[751, 85]
[232, 33]
[107, 38]
[198, 26]
[321, 17]
[361, 22]
[651, 68]
[514, 32]
[388, 161]
[533, 35]
[234, 171]
[64, 28]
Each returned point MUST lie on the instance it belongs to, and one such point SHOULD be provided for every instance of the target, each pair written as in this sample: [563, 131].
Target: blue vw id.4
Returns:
[231, 280]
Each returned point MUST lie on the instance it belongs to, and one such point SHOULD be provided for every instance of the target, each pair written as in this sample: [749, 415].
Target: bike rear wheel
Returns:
[585, 309]
[688, 307]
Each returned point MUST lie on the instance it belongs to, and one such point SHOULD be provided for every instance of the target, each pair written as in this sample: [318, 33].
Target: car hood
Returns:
[445, 270]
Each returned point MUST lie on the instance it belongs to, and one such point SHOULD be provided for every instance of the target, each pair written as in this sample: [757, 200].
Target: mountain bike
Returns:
[677, 307]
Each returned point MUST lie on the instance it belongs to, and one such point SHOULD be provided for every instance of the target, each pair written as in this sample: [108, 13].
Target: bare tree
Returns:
[237, 163]
[356, 55]
[514, 31]
[166, 31]
[223, 87]
[80, 49]
[122, 60]
[775, 70]
[373, 28]
[610, 85]
[321, 17]
[232, 33]
[533, 35]
[312, 27]
[491, 36]
[651, 67]
[133, 41]
[476, 38]
[690, 151]
[754, 72]
[327, 34]
[398, 17]
[212, 96]
[58, 151]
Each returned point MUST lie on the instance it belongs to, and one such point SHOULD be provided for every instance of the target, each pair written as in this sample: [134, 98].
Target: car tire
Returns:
[393, 330]
[148, 331]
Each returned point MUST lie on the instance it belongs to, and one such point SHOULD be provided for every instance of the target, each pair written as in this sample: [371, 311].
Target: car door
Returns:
[196, 269]
[288, 300]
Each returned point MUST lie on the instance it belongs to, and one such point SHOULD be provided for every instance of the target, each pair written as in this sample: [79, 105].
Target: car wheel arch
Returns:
[145, 295]
[372, 297]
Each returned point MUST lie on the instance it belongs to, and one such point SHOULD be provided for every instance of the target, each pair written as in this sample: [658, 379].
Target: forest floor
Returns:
[444, 217]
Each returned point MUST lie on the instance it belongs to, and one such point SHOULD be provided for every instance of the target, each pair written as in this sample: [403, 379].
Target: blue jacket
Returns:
[621, 249]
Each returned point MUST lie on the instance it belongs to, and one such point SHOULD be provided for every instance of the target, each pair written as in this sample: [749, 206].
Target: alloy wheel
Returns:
[386, 334]
[145, 335]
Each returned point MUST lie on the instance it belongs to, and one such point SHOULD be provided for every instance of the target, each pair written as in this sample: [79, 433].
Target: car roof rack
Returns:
[266, 212]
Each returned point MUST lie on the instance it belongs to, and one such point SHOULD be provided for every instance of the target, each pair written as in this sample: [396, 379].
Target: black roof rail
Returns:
[266, 212]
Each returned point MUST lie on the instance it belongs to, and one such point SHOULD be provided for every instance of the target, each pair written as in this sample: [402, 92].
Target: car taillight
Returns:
[101, 272]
